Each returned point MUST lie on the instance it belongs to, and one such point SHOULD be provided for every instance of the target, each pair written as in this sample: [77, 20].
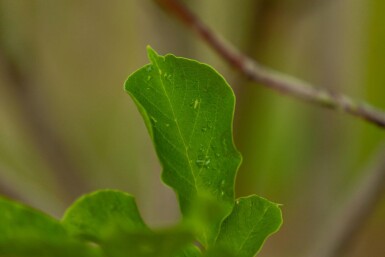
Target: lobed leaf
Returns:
[111, 219]
[188, 109]
[95, 215]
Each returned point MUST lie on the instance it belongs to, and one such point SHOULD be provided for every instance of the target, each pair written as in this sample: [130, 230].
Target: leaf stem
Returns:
[269, 78]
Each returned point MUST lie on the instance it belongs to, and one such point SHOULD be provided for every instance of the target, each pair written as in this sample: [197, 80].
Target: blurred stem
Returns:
[259, 34]
[49, 144]
[341, 235]
[277, 81]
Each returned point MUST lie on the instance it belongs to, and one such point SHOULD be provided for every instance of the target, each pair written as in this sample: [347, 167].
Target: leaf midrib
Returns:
[177, 125]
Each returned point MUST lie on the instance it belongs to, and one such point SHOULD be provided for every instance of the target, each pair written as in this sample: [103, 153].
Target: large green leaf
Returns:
[244, 231]
[27, 232]
[95, 215]
[188, 109]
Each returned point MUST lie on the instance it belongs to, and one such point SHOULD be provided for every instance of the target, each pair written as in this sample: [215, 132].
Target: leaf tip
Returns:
[152, 54]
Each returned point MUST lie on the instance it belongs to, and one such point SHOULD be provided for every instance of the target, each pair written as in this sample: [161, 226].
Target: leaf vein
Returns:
[177, 124]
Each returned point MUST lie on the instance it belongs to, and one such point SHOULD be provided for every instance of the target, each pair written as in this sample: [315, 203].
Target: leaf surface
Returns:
[28, 232]
[145, 243]
[111, 219]
[95, 215]
[252, 220]
[188, 109]
[189, 251]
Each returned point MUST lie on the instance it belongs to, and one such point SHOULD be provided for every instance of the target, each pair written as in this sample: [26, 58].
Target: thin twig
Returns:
[341, 235]
[363, 202]
[269, 78]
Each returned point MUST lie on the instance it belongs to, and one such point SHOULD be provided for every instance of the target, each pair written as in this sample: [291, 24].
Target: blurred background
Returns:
[67, 127]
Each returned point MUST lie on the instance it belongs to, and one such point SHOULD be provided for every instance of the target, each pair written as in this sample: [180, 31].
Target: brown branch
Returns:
[363, 202]
[269, 78]
[341, 235]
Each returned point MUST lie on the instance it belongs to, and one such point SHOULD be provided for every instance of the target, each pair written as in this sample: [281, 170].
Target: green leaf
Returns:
[112, 220]
[27, 232]
[244, 231]
[95, 215]
[189, 251]
[146, 243]
[218, 252]
[205, 211]
[188, 109]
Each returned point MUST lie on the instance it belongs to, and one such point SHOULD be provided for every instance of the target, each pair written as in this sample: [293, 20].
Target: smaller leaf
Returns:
[252, 220]
[21, 222]
[98, 214]
[25, 232]
[111, 219]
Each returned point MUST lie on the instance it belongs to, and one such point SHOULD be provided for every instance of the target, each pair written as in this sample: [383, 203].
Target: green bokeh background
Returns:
[67, 127]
